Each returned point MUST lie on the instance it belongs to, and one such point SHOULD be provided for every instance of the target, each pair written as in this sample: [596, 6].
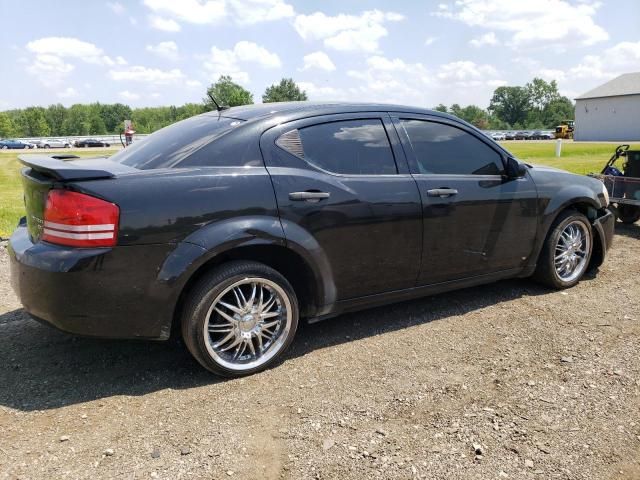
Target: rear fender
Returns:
[217, 238]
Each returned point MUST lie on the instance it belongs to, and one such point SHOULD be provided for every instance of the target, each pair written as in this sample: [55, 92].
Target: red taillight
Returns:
[79, 220]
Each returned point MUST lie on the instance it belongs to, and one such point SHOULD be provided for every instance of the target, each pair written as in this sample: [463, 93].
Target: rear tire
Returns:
[240, 318]
[566, 252]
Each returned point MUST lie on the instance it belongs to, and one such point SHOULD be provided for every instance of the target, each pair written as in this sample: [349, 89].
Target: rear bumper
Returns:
[103, 292]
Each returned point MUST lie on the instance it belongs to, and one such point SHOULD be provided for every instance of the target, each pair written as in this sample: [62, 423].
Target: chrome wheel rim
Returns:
[572, 250]
[248, 324]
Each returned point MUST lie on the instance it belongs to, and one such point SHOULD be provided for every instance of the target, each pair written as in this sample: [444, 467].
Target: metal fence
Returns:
[113, 140]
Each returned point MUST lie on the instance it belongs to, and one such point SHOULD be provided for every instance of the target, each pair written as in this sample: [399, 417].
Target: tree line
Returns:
[536, 105]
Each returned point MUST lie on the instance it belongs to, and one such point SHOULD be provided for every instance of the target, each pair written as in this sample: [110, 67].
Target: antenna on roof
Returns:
[218, 107]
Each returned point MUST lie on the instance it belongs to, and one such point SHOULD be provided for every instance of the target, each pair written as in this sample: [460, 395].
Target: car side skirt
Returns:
[370, 301]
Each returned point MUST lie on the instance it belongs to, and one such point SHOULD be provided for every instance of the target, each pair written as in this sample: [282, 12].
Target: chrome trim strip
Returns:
[80, 228]
[80, 236]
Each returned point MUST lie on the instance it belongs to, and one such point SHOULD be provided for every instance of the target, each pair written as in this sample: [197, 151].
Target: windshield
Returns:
[170, 145]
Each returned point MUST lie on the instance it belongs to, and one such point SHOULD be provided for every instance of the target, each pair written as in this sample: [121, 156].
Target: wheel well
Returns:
[291, 265]
[597, 253]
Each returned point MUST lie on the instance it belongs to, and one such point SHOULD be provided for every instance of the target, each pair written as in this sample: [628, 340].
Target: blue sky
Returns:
[161, 52]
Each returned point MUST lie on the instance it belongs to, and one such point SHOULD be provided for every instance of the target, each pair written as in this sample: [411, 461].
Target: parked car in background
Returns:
[91, 142]
[56, 143]
[510, 136]
[498, 136]
[546, 135]
[10, 143]
[233, 225]
[38, 142]
[522, 135]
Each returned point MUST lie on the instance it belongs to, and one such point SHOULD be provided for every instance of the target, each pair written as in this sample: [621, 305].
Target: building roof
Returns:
[626, 84]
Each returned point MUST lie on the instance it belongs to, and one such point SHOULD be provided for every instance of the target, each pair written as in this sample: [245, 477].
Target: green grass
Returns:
[11, 204]
[580, 158]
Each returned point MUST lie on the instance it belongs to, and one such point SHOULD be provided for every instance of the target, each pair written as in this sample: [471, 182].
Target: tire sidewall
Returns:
[553, 241]
[194, 318]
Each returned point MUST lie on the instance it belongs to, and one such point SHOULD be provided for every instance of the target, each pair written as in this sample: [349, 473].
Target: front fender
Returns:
[555, 202]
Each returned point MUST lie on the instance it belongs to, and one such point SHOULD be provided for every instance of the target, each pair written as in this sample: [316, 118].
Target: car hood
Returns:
[546, 168]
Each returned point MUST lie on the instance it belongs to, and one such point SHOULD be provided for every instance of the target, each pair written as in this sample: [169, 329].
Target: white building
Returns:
[610, 112]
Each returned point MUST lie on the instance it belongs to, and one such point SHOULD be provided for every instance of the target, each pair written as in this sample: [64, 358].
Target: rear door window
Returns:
[349, 147]
[442, 149]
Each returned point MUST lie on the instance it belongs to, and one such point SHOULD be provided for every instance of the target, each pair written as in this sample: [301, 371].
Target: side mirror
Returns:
[514, 169]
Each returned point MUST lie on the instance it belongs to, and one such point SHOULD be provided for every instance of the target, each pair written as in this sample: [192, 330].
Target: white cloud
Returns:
[227, 62]
[69, 47]
[466, 73]
[129, 96]
[486, 39]
[64, 47]
[169, 14]
[256, 11]
[168, 50]
[531, 23]
[397, 81]
[251, 52]
[68, 92]
[591, 70]
[316, 92]
[346, 32]
[116, 7]
[193, 83]
[429, 41]
[189, 11]
[164, 24]
[152, 76]
[50, 70]
[318, 60]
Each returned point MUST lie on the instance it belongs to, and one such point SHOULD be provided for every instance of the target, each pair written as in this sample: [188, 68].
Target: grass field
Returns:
[581, 158]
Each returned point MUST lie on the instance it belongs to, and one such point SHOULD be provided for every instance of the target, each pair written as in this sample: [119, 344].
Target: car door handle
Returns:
[442, 192]
[309, 196]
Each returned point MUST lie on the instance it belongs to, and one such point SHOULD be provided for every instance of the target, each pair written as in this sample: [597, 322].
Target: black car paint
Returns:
[374, 241]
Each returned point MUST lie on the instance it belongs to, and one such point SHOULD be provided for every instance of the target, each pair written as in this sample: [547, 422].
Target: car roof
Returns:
[264, 110]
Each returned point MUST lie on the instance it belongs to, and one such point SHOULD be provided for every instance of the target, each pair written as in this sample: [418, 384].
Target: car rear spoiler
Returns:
[71, 167]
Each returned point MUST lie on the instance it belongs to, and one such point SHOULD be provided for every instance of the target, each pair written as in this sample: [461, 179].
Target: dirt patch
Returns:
[508, 380]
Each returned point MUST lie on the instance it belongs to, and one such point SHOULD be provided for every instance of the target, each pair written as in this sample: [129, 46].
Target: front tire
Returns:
[566, 253]
[240, 318]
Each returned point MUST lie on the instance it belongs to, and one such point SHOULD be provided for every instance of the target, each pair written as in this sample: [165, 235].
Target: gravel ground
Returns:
[502, 381]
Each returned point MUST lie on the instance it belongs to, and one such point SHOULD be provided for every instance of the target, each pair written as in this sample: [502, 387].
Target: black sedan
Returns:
[91, 142]
[229, 227]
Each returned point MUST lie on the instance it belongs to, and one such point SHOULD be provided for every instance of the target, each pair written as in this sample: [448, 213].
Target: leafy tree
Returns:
[510, 104]
[114, 115]
[441, 108]
[227, 92]
[33, 122]
[472, 114]
[77, 121]
[285, 91]
[542, 93]
[189, 110]
[557, 111]
[55, 115]
[7, 127]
